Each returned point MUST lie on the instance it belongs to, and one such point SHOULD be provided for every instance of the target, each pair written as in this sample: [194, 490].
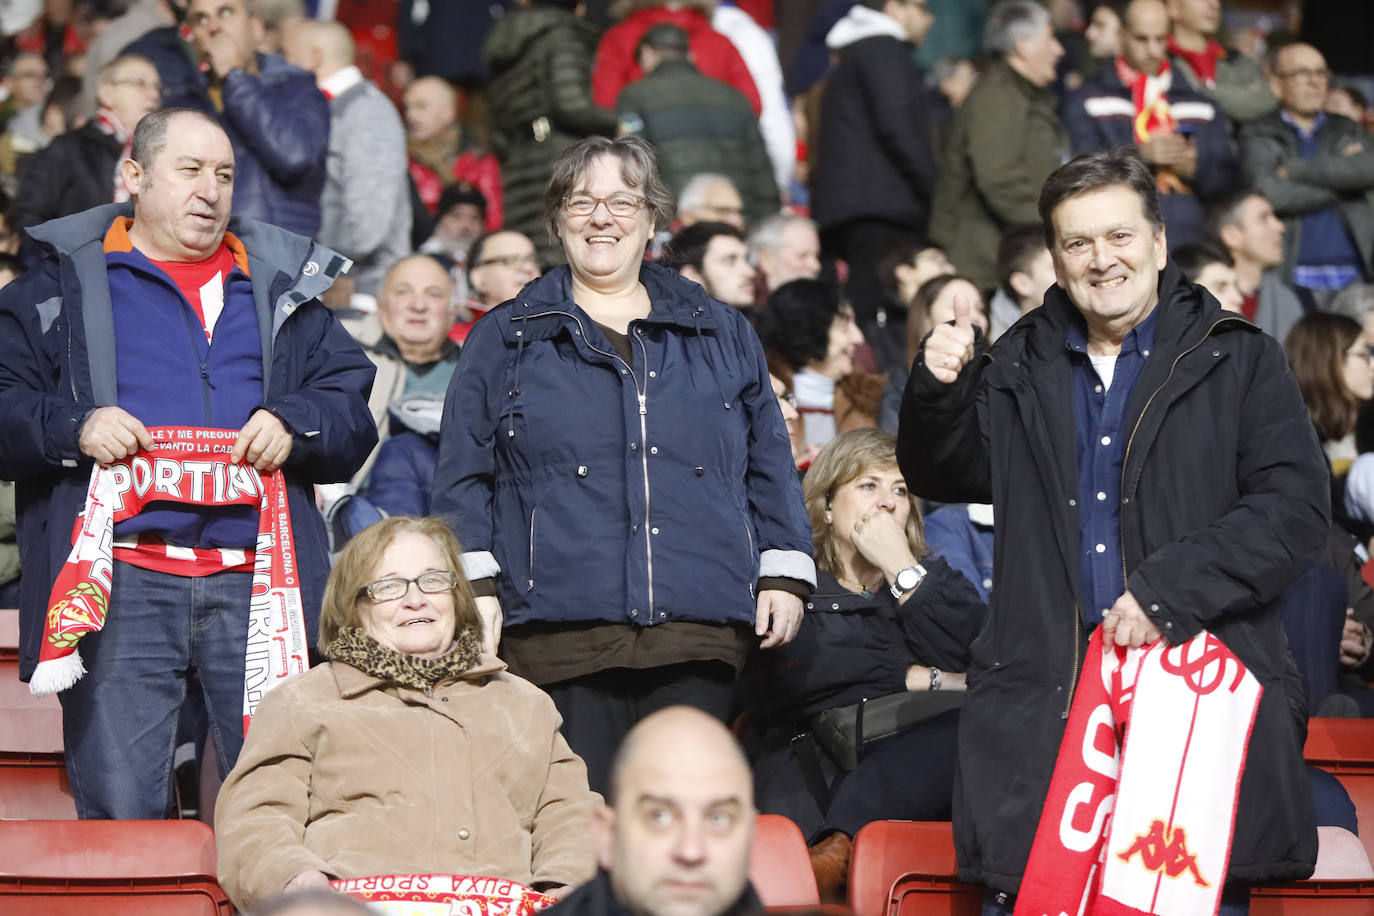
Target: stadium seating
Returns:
[1345, 748]
[908, 867]
[115, 868]
[780, 866]
[33, 777]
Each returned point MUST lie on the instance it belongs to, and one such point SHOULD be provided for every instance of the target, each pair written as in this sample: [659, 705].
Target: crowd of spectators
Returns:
[889, 186]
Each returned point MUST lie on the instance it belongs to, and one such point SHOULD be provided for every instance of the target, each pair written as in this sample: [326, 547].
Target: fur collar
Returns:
[354, 647]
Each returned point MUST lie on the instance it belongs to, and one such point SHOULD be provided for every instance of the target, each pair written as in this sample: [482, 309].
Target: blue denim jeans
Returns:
[120, 720]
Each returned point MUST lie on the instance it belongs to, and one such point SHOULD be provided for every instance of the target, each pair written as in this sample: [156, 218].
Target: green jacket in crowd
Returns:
[697, 125]
[1005, 140]
[540, 97]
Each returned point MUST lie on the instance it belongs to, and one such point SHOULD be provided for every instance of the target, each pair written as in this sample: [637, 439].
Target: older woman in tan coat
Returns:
[410, 751]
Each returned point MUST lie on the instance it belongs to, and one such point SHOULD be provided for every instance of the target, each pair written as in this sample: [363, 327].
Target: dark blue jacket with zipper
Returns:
[639, 494]
[58, 363]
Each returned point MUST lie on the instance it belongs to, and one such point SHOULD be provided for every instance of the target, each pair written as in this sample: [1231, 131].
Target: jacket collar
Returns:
[354, 682]
[676, 302]
[598, 896]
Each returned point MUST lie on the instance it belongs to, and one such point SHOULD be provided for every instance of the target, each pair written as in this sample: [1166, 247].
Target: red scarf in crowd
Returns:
[1149, 98]
[190, 466]
[109, 122]
[437, 895]
[1142, 803]
[1204, 62]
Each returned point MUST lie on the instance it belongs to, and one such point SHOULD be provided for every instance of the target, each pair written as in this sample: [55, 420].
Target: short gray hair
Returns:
[767, 235]
[693, 194]
[638, 169]
[1355, 301]
[150, 136]
[1009, 22]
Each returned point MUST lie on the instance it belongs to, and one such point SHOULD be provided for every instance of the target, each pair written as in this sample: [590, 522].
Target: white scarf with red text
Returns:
[1141, 806]
[186, 465]
[444, 895]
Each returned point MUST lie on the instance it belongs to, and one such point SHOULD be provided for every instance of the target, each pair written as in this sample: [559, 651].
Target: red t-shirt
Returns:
[202, 283]
[1249, 305]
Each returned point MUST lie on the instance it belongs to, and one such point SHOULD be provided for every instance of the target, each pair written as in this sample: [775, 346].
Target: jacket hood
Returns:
[419, 413]
[517, 30]
[860, 23]
[312, 266]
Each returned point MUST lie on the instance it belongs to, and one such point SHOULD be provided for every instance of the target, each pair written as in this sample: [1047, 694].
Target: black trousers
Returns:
[860, 242]
[598, 709]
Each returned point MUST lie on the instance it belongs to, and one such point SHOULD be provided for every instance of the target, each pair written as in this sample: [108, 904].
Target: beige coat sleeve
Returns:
[560, 835]
[263, 805]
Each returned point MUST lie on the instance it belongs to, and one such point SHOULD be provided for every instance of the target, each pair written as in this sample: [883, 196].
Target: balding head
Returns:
[677, 835]
[1145, 35]
[431, 107]
[322, 46]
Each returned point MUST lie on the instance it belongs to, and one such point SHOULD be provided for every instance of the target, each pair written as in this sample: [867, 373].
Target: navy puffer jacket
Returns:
[637, 494]
[278, 124]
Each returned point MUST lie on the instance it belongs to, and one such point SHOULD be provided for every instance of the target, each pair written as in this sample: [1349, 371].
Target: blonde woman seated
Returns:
[409, 752]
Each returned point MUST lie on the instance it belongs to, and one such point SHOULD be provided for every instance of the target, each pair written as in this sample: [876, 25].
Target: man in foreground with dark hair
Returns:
[675, 835]
[178, 318]
[1160, 450]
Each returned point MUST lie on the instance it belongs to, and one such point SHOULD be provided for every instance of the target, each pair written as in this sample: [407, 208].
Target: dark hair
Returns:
[1352, 92]
[918, 323]
[479, 244]
[795, 323]
[150, 136]
[1193, 259]
[12, 263]
[1096, 171]
[1020, 245]
[638, 169]
[567, 5]
[688, 248]
[897, 251]
[1225, 210]
[1316, 347]
[65, 96]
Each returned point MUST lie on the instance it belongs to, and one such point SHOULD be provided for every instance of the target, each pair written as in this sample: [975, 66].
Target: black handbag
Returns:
[848, 732]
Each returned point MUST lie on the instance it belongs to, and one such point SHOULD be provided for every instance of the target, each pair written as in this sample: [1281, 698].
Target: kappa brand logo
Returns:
[1206, 670]
[310, 269]
[1169, 855]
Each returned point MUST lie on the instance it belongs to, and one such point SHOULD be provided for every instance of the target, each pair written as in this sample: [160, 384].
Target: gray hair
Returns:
[767, 235]
[150, 136]
[1009, 22]
[1355, 301]
[693, 194]
[638, 169]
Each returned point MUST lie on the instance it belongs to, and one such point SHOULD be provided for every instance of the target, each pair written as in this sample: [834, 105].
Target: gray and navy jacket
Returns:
[58, 363]
[604, 491]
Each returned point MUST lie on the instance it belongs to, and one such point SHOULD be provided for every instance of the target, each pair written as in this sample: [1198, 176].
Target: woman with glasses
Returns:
[410, 751]
[614, 460]
[1331, 359]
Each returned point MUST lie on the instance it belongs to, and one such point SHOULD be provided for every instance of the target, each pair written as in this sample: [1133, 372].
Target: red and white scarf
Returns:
[186, 465]
[1174, 722]
[1149, 99]
[109, 122]
[444, 895]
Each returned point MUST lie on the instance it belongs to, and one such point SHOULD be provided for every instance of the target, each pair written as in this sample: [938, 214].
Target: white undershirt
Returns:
[1105, 366]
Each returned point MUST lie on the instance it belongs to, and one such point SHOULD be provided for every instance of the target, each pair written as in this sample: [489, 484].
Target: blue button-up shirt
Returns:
[1100, 423]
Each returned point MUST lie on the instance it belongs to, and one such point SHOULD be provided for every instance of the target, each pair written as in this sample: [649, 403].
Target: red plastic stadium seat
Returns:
[33, 776]
[1345, 748]
[9, 633]
[115, 868]
[1314, 898]
[780, 866]
[908, 867]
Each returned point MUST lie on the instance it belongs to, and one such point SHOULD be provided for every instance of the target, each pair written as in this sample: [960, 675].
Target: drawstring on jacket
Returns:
[514, 392]
[706, 348]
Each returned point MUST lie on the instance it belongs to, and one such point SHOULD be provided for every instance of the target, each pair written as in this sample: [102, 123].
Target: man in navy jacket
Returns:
[275, 116]
[167, 319]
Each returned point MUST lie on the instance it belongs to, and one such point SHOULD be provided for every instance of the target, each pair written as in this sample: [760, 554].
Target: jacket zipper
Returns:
[1126, 455]
[71, 369]
[1077, 651]
[641, 395]
[533, 512]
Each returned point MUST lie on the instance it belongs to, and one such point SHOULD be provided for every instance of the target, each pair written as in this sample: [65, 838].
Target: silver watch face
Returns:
[910, 577]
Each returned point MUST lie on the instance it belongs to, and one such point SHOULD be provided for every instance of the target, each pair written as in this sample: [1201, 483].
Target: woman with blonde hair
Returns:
[888, 629]
[409, 751]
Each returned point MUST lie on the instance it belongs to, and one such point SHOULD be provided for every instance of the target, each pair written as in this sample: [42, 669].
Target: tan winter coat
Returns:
[352, 776]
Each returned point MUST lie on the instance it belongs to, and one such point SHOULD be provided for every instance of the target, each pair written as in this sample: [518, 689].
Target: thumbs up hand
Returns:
[949, 348]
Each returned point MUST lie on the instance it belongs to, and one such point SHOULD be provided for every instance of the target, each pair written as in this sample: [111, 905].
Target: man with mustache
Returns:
[167, 313]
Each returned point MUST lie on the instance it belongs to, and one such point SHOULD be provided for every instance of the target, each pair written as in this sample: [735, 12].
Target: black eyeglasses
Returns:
[509, 260]
[431, 583]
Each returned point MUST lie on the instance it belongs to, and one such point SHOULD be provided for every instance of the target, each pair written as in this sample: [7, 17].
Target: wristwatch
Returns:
[907, 579]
